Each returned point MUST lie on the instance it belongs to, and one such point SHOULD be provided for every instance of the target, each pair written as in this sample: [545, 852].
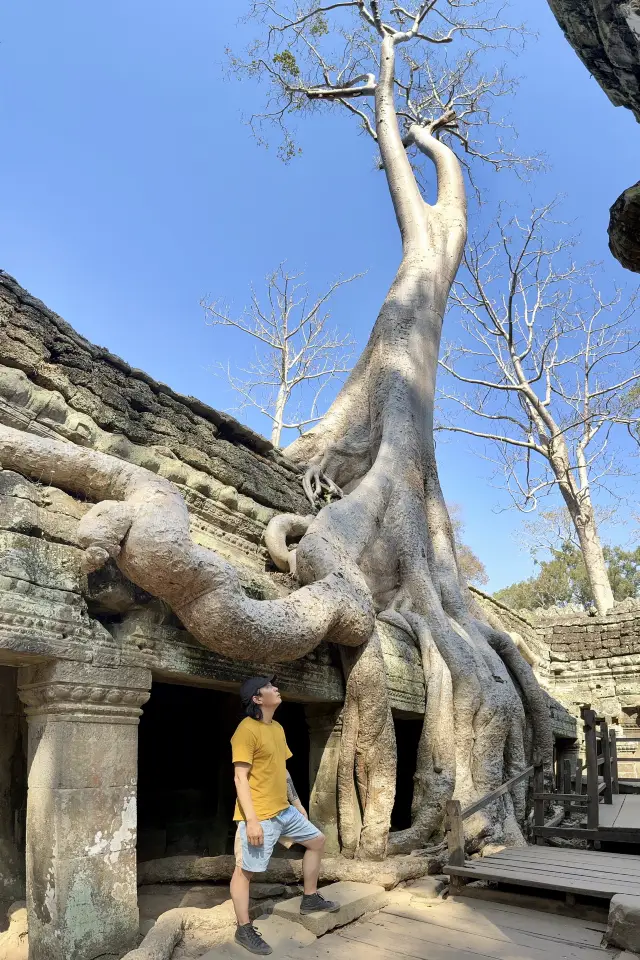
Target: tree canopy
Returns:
[563, 579]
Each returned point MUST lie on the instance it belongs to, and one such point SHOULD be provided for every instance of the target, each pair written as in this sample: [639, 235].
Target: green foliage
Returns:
[287, 150]
[563, 579]
[319, 27]
[288, 63]
[471, 566]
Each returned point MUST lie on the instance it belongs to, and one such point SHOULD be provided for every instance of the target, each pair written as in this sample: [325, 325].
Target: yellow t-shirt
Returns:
[264, 746]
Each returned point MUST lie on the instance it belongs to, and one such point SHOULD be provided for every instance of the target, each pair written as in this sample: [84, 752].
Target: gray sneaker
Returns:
[249, 938]
[314, 903]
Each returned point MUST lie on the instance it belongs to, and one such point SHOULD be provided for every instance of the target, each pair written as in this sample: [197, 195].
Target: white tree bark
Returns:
[296, 352]
[278, 415]
[584, 521]
[378, 437]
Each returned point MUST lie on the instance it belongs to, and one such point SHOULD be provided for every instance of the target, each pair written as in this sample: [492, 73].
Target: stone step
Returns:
[428, 888]
[281, 935]
[355, 899]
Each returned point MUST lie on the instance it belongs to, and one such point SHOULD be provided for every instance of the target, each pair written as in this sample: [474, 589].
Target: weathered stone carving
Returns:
[606, 37]
[81, 812]
[624, 228]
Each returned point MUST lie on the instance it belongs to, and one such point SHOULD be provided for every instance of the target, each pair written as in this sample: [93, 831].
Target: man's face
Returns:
[268, 696]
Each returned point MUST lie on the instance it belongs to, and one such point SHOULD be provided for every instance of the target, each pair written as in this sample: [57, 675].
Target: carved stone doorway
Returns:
[185, 779]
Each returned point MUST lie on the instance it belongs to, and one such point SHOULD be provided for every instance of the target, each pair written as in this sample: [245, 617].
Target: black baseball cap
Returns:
[251, 685]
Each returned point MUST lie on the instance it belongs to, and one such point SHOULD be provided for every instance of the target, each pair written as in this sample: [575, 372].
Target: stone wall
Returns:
[88, 648]
[596, 661]
[583, 659]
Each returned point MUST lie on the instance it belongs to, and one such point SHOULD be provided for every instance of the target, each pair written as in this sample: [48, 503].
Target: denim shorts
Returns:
[289, 824]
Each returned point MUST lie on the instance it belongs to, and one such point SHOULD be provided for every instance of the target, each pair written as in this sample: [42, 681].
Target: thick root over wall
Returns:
[142, 523]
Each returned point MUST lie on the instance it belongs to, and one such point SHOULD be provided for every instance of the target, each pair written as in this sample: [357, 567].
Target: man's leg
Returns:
[256, 858]
[311, 863]
[240, 883]
[312, 901]
[293, 825]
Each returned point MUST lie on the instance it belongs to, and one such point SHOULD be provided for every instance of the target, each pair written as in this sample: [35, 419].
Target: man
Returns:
[268, 808]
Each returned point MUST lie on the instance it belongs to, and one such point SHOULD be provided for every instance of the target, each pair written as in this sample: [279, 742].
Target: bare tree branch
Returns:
[312, 54]
[552, 358]
[295, 349]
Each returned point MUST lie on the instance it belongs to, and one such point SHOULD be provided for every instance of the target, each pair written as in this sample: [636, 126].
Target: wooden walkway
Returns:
[457, 930]
[571, 871]
[623, 813]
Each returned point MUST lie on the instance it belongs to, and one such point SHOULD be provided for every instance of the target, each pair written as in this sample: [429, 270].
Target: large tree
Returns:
[544, 373]
[561, 574]
[383, 548]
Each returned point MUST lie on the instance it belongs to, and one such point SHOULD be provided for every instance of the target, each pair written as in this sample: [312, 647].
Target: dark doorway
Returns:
[185, 780]
[408, 731]
[13, 791]
[292, 718]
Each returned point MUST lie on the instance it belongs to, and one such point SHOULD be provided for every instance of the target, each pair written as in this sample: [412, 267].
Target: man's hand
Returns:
[302, 810]
[255, 834]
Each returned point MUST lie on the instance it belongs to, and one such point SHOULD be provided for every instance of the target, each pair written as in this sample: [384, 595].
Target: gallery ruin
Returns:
[115, 721]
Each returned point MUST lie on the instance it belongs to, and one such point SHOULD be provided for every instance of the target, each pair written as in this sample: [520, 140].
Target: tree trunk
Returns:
[278, 416]
[580, 507]
[376, 442]
[593, 555]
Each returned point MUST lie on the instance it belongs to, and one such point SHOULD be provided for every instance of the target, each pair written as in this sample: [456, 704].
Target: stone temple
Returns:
[114, 721]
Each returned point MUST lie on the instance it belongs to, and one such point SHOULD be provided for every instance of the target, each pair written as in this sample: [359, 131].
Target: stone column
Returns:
[81, 808]
[11, 783]
[325, 727]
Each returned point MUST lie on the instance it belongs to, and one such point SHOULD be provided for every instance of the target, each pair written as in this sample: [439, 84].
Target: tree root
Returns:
[142, 523]
[285, 527]
[368, 748]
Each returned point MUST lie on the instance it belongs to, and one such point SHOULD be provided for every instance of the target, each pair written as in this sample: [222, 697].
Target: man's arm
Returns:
[292, 796]
[255, 835]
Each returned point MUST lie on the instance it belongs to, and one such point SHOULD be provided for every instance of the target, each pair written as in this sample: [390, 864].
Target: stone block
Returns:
[355, 899]
[80, 907]
[62, 816]
[623, 925]
[268, 891]
[81, 817]
[73, 756]
[428, 888]
[282, 935]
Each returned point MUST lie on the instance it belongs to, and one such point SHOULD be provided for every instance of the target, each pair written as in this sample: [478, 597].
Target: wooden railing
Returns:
[577, 785]
[457, 814]
[583, 785]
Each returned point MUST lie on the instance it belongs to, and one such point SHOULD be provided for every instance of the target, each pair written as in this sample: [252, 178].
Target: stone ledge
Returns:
[623, 925]
[427, 888]
[355, 900]
[280, 934]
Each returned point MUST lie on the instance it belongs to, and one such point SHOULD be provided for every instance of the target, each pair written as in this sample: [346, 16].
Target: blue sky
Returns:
[132, 188]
